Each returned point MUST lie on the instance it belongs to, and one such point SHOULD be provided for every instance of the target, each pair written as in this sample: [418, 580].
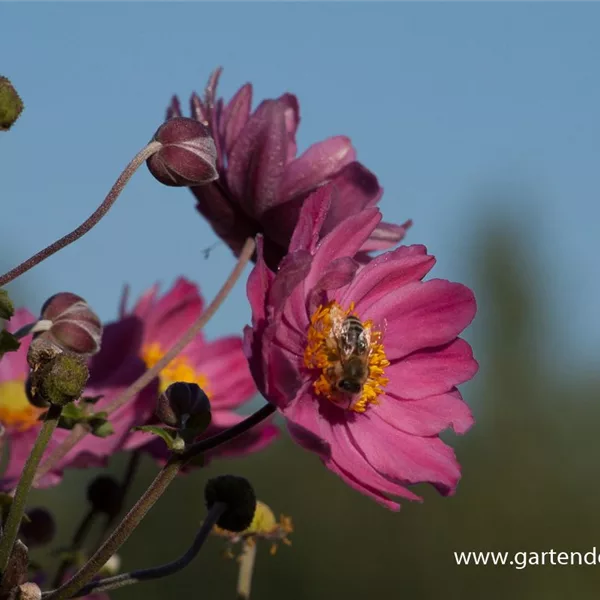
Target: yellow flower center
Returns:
[179, 369]
[16, 412]
[349, 355]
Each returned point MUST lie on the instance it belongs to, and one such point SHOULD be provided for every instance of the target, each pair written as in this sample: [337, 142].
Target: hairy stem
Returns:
[118, 581]
[91, 221]
[79, 432]
[13, 522]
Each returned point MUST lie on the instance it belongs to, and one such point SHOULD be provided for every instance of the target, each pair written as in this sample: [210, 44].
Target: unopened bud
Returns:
[29, 591]
[238, 495]
[11, 104]
[40, 528]
[188, 154]
[184, 406]
[111, 567]
[60, 380]
[41, 351]
[71, 324]
[105, 495]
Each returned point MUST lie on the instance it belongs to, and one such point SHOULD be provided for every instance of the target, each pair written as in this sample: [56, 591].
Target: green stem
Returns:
[13, 522]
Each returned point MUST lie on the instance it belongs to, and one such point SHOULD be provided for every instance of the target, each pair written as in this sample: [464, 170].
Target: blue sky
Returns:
[441, 100]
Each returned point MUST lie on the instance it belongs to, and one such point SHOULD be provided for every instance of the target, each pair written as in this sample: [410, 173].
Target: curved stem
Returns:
[122, 532]
[91, 221]
[80, 432]
[13, 522]
[118, 581]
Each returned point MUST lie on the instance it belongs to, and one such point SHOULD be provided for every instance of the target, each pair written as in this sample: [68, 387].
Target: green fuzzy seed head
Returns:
[11, 104]
[63, 379]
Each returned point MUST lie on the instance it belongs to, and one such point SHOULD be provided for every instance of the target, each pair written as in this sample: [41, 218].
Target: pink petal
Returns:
[385, 236]
[235, 115]
[292, 120]
[345, 240]
[431, 372]
[174, 108]
[258, 285]
[283, 380]
[293, 269]
[386, 273]
[257, 159]
[337, 275]
[421, 315]
[13, 365]
[312, 216]
[403, 457]
[428, 416]
[315, 166]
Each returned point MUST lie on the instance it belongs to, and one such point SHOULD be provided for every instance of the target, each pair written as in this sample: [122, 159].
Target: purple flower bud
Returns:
[184, 406]
[71, 324]
[238, 495]
[188, 156]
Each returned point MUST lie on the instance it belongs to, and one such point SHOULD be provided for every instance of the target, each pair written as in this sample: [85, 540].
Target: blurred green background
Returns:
[529, 481]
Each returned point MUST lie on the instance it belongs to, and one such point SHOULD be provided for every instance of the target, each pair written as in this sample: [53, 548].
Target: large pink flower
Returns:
[401, 369]
[262, 183]
[111, 371]
[219, 367]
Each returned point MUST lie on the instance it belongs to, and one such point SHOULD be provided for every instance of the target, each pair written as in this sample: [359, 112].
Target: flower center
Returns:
[349, 355]
[16, 412]
[179, 369]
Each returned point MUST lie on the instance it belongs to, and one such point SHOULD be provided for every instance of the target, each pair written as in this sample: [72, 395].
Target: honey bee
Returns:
[350, 341]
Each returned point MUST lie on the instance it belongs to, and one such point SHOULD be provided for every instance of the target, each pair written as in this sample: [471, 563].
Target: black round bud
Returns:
[105, 495]
[184, 406]
[40, 528]
[238, 495]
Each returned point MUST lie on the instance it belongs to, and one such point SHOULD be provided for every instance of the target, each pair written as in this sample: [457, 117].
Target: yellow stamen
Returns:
[16, 412]
[322, 353]
[179, 369]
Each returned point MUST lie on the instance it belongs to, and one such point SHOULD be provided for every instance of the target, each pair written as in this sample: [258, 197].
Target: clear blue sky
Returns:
[441, 100]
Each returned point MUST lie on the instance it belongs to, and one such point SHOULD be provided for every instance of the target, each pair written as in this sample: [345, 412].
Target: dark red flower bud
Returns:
[40, 528]
[188, 156]
[235, 492]
[184, 406]
[106, 495]
[71, 324]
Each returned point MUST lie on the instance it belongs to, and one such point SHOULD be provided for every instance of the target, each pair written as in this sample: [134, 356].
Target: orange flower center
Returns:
[179, 369]
[16, 412]
[349, 355]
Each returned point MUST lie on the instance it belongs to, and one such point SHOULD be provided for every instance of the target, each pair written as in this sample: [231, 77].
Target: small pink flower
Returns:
[262, 183]
[219, 367]
[113, 369]
[362, 361]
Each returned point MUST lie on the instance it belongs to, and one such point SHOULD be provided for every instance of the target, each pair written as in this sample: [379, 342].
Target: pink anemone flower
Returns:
[111, 370]
[263, 184]
[362, 361]
[219, 367]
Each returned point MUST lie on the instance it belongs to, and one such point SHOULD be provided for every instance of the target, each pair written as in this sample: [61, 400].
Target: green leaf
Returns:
[166, 435]
[71, 415]
[8, 342]
[103, 429]
[7, 310]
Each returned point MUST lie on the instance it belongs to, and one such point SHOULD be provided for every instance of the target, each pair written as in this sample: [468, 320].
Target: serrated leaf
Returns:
[103, 429]
[8, 342]
[7, 309]
[166, 435]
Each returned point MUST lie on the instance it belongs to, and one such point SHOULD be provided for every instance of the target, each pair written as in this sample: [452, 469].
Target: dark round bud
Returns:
[40, 529]
[11, 104]
[188, 155]
[105, 495]
[184, 406]
[31, 392]
[60, 380]
[73, 325]
[238, 495]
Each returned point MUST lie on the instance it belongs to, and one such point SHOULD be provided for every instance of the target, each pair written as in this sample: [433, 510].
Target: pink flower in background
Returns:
[263, 184]
[111, 371]
[219, 367]
[362, 361]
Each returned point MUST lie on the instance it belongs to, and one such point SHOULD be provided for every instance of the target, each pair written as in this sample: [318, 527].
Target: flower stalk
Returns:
[17, 509]
[246, 571]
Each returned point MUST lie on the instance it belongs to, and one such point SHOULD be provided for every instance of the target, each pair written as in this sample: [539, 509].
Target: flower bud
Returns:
[40, 528]
[188, 155]
[60, 380]
[41, 351]
[72, 324]
[111, 567]
[29, 591]
[184, 406]
[238, 495]
[105, 495]
[11, 104]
